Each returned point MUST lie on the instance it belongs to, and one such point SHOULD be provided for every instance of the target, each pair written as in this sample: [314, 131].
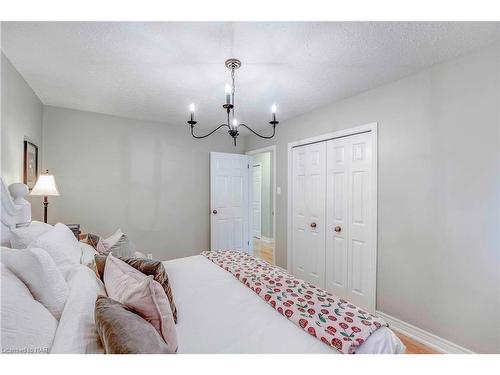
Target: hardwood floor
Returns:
[414, 347]
[263, 250]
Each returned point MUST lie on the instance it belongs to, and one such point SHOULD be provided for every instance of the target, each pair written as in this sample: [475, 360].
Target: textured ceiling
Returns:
[154, 70]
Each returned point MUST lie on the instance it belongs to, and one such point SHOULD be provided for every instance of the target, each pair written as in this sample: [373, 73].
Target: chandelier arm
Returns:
[208, 134]
[260, 135]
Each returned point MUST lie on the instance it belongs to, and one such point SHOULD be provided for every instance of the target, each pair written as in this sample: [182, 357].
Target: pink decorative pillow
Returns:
[143, 295]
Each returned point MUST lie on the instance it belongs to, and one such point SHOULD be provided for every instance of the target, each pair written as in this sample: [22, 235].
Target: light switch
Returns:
[278, 190]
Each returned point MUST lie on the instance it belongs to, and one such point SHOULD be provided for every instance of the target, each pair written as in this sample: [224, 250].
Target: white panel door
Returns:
[336, 217]
[257, 200]
[350, 247]
[229, 201]
[308, 213]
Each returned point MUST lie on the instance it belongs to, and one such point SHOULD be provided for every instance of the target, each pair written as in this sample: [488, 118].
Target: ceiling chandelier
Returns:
[229, 106]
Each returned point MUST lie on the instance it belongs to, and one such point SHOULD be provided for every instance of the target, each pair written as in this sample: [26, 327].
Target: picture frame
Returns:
[30, 164]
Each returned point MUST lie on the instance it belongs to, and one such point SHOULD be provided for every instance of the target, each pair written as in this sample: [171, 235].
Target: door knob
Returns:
[214, 212]
[338, 229]
[313, 225]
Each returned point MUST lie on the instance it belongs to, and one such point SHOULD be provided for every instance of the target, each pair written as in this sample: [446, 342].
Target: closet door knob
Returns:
[214, 212]
[337, 229]
[313, 225]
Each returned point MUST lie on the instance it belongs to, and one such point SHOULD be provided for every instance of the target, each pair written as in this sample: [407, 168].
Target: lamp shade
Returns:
[45, 185]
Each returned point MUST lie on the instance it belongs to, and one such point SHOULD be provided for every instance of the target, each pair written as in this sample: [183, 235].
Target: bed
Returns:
[216, 312]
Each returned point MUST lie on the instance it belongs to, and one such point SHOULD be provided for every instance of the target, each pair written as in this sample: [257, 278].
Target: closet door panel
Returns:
[349, 253]
[308, 213]
[337, 242]
[299, 213]
[360, 273]
[316, 189]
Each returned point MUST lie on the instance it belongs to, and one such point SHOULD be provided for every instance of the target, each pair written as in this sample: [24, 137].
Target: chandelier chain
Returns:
[233, 90]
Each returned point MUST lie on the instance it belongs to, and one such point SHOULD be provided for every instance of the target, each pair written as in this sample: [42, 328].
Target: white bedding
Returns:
[218, 314]
[76, 332]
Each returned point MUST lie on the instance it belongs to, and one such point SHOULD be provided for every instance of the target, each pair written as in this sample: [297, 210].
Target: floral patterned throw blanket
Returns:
[323, 315]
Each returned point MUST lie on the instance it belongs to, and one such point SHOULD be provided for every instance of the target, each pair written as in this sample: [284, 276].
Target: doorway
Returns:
[257, 200]
[263, 202]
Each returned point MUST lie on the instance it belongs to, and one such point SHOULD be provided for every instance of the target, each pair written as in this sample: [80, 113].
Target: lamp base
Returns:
[45, 205]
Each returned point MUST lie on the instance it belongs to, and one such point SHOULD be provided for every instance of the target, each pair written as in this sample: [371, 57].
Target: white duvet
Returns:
[76, 332]
[218, 314]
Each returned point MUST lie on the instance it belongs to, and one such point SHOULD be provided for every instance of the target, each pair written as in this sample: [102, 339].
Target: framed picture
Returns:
[30, 171]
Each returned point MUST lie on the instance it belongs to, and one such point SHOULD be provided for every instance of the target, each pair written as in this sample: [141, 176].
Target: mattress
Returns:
[218, 314]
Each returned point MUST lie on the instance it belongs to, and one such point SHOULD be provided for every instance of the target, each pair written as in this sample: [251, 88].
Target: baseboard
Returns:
[432, 341]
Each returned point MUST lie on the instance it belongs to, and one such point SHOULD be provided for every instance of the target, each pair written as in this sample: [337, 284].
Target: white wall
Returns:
[438, 203]
[21, 118]
[149, 179]
[265, 159]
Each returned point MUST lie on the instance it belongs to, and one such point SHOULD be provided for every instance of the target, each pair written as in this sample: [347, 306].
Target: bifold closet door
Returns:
[349, 264]
[308, 212]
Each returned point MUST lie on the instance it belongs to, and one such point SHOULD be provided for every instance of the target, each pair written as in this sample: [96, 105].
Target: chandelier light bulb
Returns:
[191, 108]
[227, 89]
[273, 110]
[235, 124]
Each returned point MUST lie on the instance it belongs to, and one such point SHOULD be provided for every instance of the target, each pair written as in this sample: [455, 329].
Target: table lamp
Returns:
[45, 186]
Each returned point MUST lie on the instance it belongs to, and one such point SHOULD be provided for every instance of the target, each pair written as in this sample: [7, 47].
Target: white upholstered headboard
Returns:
[16, 211]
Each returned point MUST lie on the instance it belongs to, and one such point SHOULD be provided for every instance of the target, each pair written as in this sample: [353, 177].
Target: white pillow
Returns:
[20, 238]
[35, 268]
[76, 332]
[113, 239]
[27, 326]
[88, 253]
[61, 244]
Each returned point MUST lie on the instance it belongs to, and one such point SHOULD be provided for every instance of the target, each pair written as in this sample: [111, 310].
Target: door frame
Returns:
[260, 201]
[271, 149]
[373, 128]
